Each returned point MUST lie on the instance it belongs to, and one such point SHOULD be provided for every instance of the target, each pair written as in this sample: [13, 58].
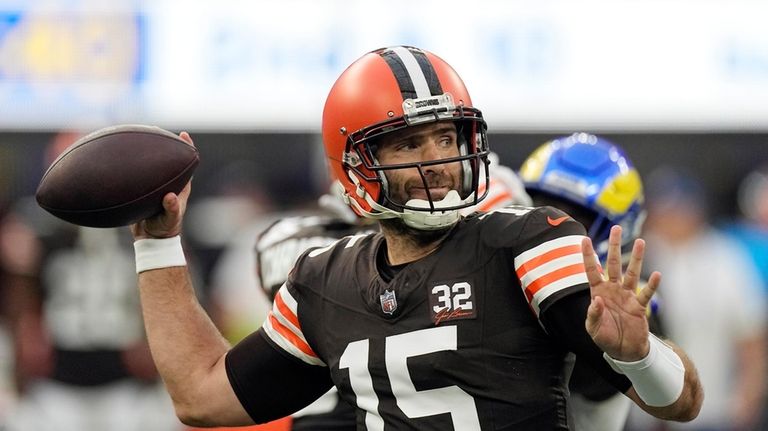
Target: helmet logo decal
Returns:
[428, 109]
[621, 192]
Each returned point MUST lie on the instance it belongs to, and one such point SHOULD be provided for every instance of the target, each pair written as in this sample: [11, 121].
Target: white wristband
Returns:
[158, 253]
[658, 378]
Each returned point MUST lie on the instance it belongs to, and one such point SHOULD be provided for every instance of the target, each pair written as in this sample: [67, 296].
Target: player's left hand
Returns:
[616, 318]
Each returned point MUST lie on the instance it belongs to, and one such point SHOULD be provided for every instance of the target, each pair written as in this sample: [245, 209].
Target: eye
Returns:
[447, 140]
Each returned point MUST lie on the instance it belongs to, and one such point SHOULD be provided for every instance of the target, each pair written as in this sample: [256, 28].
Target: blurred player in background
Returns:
[714, 304]
[82, 360]
[8, 389]
[752, 229]
[752, 232]
[504, 189]
[594, 181]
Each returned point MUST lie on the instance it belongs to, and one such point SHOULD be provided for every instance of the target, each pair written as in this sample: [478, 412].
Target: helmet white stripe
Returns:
[414, 71]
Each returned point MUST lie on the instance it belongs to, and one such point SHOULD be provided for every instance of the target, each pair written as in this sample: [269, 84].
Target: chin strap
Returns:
[427, 220]
[417, 219]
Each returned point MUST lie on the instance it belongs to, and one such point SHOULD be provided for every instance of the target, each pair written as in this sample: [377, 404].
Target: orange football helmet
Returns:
[387, 90]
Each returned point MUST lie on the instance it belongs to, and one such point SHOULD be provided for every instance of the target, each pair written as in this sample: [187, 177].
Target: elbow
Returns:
[203, 411]
[194, 414]
[191, 417]
[691, 411]
[685, 409]
[687, 414]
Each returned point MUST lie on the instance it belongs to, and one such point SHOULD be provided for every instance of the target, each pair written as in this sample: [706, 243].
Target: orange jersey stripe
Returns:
[286, 312]
[547, 257]
[551, 277]
[290, 336]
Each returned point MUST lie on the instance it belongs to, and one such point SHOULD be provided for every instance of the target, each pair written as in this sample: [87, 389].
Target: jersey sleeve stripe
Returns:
[288, 299]
[547, 257]
[549, 267]
[289, 341]
[557, 286]
[290, 336]
[282, 327]
[290, 315]
[541, 249]
[553, 276]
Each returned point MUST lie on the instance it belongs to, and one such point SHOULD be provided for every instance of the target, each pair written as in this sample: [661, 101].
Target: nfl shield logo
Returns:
[388, 301]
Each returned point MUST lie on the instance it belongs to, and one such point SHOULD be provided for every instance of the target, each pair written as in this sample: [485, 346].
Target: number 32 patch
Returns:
[452, 301]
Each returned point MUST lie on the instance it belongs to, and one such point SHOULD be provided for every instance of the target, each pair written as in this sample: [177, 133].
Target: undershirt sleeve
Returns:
[564, 321]
[271, 384]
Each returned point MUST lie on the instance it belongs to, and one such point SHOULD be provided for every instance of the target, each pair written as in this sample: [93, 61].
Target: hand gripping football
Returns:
[116, 176]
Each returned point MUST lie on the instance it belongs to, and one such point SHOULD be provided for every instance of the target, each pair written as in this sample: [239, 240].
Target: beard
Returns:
[402, 192]
[419, 237]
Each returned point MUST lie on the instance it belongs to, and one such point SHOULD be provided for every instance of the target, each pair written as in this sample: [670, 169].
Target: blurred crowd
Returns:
[73, 355]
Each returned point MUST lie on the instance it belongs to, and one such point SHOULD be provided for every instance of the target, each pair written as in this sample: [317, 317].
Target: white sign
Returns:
[530, 66]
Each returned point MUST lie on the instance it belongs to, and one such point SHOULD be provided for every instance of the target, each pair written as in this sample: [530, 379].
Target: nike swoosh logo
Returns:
[557, 221]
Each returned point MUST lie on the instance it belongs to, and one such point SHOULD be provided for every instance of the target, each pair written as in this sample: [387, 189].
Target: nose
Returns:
[434, 150]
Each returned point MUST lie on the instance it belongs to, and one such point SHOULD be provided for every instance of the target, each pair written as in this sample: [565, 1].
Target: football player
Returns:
[280, 244]
[593, 180]
[438, 321]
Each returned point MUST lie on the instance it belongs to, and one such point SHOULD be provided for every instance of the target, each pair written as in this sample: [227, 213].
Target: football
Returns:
[116, 176]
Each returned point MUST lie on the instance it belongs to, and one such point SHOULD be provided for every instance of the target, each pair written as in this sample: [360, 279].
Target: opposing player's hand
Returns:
[616, 318]
[167, 223]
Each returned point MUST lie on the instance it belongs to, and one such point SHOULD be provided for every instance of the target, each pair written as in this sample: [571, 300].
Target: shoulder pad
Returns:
[523, 227]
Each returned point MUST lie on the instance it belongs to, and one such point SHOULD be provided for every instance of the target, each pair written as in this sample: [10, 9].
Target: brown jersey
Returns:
[452, 341]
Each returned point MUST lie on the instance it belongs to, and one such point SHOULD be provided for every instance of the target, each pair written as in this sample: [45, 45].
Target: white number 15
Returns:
[413, 403]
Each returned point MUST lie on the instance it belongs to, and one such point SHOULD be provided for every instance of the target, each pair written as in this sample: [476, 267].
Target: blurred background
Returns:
[680, 85]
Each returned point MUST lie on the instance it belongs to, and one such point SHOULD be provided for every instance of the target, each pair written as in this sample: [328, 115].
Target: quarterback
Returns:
[438, 321]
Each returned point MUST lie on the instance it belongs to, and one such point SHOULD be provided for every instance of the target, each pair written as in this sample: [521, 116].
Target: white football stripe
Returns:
[554, 265]
[288, 346]
[288, 299]
[540, 249]
[287, 323]
[563, 283]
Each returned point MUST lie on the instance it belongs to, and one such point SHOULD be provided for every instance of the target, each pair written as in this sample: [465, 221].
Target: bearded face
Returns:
[424, 143]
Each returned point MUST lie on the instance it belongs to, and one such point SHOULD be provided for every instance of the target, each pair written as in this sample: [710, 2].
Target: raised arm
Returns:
[665, 381]
[187, 348]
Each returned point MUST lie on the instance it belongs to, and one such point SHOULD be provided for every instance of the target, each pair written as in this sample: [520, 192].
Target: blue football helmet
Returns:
[593, 180]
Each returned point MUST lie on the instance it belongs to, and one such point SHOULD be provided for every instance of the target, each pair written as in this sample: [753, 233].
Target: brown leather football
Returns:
[116, 176]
